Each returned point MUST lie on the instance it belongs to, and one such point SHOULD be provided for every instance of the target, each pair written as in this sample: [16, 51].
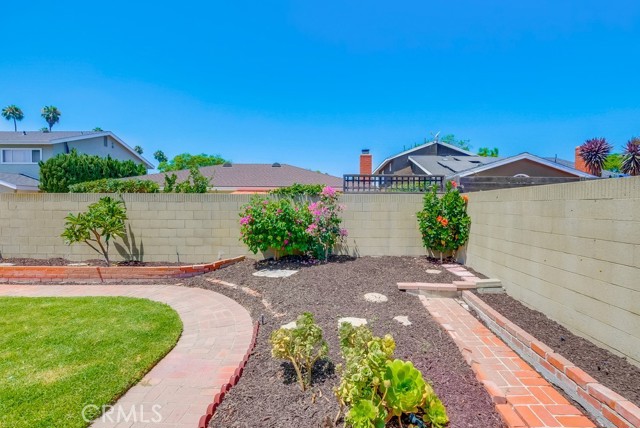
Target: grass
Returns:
[58, 355]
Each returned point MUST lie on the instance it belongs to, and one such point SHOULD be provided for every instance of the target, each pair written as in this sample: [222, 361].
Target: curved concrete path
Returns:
[217, 334]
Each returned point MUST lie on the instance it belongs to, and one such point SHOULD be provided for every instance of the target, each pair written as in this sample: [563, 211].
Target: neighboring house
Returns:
[253, 178]
[473, 171]
[578, 163]
[20, 153]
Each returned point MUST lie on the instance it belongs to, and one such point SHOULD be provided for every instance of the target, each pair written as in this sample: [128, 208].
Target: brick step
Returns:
[429, 289]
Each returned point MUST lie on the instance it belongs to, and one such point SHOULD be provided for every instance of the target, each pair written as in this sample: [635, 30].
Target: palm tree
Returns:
[14, 113]
[138, 150]
[51, 114]
[631, 160]
[594, 152]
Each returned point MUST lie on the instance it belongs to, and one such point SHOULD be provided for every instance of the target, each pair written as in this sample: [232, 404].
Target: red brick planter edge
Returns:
[607, 407]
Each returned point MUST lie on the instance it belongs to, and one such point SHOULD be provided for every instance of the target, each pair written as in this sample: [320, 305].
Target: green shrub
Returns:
[302, 345]
[113, 185]
[444, 222]
[102, 221]
[298, 190]
[64, 170]
[377, 388]
[195, 183]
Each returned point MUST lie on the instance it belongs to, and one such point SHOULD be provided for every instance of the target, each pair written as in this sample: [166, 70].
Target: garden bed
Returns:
[267, 395]
[59, 261]
[607, 368]
[49, 273]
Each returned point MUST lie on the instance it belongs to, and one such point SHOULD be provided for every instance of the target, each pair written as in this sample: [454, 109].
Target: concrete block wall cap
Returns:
[488, 282]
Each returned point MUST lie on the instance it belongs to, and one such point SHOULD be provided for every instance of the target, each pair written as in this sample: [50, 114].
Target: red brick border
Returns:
[55, 274]
[608, 408]
[233, 380]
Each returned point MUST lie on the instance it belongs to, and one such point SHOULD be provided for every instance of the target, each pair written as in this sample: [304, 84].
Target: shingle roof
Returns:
[39, 137]
[242, 176]
[572, 164]
[448, 165]
[18, 180]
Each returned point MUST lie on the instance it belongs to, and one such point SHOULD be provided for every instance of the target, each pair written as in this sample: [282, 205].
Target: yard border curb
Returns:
[233, 380]
[58, 274]
[606, 406]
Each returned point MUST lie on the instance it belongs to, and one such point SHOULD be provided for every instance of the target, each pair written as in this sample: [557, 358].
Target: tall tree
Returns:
[51, 114]
[631, 161]
[188, 161]
[594, 152]
[13, 112]
[487, 152]
[160, 156]
[452, 140]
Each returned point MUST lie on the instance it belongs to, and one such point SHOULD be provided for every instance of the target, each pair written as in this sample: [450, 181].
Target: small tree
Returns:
[160, 156]
[487, 152]
[96, 227]
[594, 152]
[444, 222]
[631, 160]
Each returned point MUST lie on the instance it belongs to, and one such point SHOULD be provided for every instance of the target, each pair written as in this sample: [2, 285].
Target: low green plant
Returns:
[102, 221]
[377, 388]
[302, 345]
[112, 185]
[297, 189]
[195, 183]
[444, 222]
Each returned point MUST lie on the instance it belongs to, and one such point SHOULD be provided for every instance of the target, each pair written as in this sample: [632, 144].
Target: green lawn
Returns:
[58, 355]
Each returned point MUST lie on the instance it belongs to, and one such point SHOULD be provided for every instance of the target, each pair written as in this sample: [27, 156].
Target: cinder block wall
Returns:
[571, 251]
[194, 228]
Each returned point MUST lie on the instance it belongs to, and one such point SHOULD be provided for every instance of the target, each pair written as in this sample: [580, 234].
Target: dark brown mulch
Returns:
[266, 395]
[610, 370]
[59, 261]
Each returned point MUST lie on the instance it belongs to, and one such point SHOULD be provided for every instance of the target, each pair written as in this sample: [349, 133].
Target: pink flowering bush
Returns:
[289, 226]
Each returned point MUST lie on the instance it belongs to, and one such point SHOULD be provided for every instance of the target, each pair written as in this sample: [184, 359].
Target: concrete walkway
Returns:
[176, 392]
[523, 398]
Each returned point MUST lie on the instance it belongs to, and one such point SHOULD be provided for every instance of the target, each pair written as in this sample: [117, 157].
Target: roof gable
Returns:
[423, 147]
[527, 156]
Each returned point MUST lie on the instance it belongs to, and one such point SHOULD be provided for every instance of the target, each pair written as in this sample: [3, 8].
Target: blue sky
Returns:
[310, 83]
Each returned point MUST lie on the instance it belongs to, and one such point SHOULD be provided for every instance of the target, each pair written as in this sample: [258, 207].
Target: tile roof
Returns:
[242, 176]
[19, 180]
[39, 137]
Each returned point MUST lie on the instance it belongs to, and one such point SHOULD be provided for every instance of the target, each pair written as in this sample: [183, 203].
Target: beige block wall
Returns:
[194, 228]
[571, 251]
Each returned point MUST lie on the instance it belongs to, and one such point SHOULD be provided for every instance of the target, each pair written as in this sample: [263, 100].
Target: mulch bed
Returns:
[610, 370]
[267, 395]
[58, 261]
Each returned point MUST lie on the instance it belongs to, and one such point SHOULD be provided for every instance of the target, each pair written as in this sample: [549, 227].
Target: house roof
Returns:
[449, 165]
[527, 156]
[572, 164]
[254, 176]
[58, 137]
[18, 182]
[422, 146]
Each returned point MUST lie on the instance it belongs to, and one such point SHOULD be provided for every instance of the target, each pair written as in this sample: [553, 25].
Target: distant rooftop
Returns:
[39, 137]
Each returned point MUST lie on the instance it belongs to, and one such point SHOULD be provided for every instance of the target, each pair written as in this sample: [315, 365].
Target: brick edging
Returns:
[56, 274]
[233, 380]
[607, 407]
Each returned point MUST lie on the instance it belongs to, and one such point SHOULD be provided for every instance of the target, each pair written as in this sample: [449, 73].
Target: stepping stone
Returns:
[403, 319]
[78, 264]
[7, 264]
[375, 297]
[433, 271]
[356, 322]
[275, 273]
[289, 326]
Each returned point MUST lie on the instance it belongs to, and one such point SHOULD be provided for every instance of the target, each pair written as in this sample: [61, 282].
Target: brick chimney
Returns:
[579, 162]
[365, 162]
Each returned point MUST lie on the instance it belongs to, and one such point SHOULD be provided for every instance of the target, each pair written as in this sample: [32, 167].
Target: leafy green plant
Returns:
[297, 189]
[324, 229]
[186, 161]
[444, 222]
[195, 183]
[302, 345]
[102, 221]
[377, 388]
[113, 185]
[64, 170]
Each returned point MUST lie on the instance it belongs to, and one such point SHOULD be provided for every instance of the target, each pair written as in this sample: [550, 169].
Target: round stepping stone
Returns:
[289, 326]
[403, 319]
[275, 273]
[356, 322]
[433, 271]
[375, 297]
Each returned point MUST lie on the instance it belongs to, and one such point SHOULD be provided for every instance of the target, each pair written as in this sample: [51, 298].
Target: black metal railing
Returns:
[361, 183]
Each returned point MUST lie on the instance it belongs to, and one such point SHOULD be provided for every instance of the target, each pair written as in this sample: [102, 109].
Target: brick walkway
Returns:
[217, 333]
[523, 398]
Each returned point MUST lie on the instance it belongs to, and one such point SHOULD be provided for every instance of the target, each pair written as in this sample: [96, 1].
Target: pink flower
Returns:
[286, 241]
[312, 228]
[328, 191]
[313, 206]
[343, 232]
[245, 220]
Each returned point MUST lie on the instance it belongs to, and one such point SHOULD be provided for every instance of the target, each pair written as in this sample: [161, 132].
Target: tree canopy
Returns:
[487, 152]
[13, 112]
[452, 140]
[51, 114]
[188, 161]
